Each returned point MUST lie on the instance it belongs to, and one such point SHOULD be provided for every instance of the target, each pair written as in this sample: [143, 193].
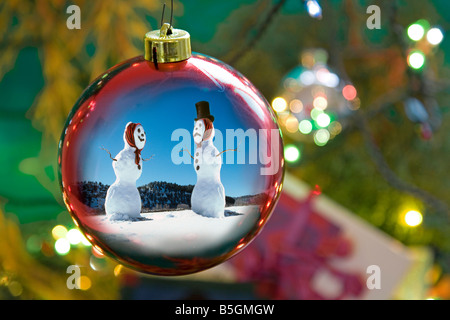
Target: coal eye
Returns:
[139, 130]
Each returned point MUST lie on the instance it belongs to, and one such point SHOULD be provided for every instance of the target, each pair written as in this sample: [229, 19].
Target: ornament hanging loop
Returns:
[166, 30]
[167, 44]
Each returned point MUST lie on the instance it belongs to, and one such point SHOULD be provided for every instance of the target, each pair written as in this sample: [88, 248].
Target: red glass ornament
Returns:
[167, 237]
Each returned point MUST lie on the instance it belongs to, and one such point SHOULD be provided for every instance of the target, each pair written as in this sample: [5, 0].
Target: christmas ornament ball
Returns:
[171, 162]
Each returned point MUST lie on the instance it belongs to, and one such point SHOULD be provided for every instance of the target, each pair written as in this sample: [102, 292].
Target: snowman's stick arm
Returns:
[226, 151]
[187, 152]
[235, 149]
[108, 153]
[148, 158]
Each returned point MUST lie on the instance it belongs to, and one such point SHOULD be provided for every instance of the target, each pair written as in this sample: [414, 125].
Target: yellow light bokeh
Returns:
[292, 124]
[118, 270]
[59, 231]
[335, 128]
[15, 288]
[84, 283]
[279, 104]
[413, 218]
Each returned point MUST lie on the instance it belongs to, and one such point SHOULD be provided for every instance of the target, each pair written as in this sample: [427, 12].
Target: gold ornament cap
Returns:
[167, 45]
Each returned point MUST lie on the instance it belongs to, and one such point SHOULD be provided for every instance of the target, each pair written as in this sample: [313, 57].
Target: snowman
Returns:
[208, 196]
[123, 201]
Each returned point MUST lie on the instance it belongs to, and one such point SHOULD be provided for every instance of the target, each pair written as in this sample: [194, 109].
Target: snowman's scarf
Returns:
[208, 131]
[129, 136]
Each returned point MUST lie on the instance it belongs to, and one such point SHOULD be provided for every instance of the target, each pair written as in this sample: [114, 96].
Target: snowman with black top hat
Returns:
[208, 196]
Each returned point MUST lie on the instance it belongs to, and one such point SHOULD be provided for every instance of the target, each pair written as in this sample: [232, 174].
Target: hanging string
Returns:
[169, 31]
[171, 15]
[162, 15]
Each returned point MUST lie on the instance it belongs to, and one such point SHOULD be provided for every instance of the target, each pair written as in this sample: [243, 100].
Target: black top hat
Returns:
[203, 111]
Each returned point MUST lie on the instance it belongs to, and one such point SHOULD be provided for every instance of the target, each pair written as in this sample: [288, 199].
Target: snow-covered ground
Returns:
[176, 233]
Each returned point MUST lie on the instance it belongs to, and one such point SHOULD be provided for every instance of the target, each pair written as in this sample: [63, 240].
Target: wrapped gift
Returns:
[313, 248]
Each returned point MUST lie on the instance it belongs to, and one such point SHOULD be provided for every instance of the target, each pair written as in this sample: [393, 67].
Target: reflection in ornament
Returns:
[123, 201]
[175, 227]
[208, 195]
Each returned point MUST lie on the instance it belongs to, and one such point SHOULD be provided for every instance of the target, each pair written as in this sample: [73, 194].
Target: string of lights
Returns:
[415, 60]
[363, 123]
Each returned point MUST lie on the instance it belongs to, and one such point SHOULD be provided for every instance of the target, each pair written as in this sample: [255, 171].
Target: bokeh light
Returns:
[321, 137]
[291, 153]
[291, 124]
[435, 36]
[33, 244]
[84, 283]
[296, 106]
[323, 120]
[59, 231]
[416, 59]
[335, 128]
[74, 236]
[315, 113]
[349, 92]
[305, 126]
[320, 103]
[413, 218]
[279, 104]
[307, 78]
[15, 288]
[415, 32]
[327, 78]
[62, 246]
[314, 9]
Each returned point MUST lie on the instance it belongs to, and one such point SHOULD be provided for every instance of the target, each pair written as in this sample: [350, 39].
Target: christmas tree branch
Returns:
[259, 33]
[388, 174]
[398, 94]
